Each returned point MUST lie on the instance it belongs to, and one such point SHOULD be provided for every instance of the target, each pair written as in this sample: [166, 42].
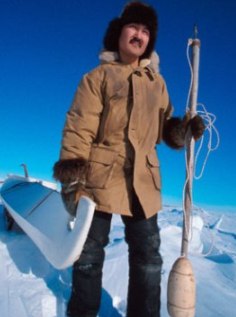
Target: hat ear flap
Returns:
[112, 35]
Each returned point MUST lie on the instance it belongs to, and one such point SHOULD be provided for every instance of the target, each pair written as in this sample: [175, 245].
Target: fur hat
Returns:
[134, 12]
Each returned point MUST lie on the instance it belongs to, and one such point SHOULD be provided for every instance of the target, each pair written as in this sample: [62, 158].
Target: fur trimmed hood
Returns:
[153, 62]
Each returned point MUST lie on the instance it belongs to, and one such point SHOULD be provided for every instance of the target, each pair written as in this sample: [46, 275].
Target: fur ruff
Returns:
[153, 62]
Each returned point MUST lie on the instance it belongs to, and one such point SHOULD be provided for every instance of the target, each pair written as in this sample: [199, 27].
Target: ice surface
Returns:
[31, 287]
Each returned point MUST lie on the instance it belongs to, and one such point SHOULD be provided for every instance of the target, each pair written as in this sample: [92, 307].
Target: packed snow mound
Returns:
[31, 287]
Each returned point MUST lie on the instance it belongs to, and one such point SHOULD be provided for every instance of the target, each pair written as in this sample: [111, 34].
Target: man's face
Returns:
[133, 40]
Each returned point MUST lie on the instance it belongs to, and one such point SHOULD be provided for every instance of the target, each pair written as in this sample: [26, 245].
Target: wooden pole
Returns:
[190, 144]
[181, 290]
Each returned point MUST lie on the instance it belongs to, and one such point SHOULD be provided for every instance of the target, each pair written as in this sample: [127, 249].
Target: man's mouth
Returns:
[136, 41]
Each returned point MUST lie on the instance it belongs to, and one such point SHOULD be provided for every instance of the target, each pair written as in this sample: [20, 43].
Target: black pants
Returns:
[142, 236]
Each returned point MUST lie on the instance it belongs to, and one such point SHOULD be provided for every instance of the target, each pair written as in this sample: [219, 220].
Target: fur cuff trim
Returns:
[174, 133]
[67, 171]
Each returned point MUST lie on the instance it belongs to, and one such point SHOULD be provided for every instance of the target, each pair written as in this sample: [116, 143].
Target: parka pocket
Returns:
[101, 163]
[154, 167]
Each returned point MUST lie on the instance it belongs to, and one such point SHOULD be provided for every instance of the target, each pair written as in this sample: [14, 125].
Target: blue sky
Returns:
[46, 47]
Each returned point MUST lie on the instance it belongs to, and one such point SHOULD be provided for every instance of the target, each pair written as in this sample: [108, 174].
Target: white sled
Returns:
[40, 212]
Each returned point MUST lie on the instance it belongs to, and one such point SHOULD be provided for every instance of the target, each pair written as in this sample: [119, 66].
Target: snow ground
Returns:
[31, 287]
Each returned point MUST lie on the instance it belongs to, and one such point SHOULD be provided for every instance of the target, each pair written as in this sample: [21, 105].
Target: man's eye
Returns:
[146, 31]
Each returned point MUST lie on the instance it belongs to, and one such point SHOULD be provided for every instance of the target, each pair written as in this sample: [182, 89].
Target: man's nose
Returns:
[138, 33]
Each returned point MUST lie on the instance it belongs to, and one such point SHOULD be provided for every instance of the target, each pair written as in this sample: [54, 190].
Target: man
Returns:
[120, 111]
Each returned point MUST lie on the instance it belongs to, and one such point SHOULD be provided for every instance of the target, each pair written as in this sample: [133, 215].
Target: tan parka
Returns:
[115, 122]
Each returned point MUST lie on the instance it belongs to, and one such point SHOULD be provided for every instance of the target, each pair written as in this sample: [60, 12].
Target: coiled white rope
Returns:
[209, 120]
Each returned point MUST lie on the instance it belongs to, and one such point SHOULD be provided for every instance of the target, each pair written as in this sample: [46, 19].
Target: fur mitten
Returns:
[70, 194]
[72, 174]
[175, 129]
[197, 127]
